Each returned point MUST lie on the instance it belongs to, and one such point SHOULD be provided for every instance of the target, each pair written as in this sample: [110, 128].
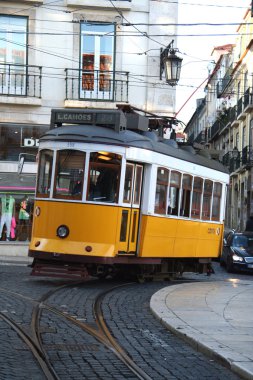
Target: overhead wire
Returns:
[142, 34]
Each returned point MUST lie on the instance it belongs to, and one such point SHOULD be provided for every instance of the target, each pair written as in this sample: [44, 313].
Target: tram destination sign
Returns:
[114, 119]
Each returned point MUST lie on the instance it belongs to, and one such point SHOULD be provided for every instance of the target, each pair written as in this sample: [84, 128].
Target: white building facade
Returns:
[75, 54]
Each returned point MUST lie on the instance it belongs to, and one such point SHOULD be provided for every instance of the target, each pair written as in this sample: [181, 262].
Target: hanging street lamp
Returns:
[171, 64]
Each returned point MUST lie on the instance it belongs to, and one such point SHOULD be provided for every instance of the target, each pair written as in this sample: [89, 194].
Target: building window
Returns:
[97, 61]
[13, 55]
[244, 137]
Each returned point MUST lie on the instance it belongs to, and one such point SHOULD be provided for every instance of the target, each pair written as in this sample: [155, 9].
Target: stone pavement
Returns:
[215, 317]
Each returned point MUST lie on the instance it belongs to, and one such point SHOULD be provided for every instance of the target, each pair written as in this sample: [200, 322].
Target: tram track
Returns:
[92, 330]
[101, 333]
[35, 349]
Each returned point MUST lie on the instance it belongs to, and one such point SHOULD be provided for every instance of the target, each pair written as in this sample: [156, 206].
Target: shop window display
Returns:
[15, 217]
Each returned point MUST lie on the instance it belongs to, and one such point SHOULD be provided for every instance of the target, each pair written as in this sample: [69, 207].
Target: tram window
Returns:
[45, 173]
[104, 177]
[137, 187]
[161, 190]
[174, 189]
[207, 198]
[186, 195]
[128, 183]
[69, 174]
[217, 191]
[196, 197]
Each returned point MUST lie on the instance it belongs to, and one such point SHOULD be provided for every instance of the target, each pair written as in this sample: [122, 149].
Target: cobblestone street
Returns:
[59, 317]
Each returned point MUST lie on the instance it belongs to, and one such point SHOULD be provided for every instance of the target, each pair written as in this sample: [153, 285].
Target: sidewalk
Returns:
[15, 251]
[214, 316]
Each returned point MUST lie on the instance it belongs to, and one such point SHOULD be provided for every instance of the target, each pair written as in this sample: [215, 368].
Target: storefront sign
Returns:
[73, 117]
[31, 142]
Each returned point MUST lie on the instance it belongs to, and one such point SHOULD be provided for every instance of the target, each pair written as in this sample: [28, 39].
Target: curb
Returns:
[195, 339]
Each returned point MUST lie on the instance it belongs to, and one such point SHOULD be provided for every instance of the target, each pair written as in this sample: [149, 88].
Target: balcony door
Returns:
[13, 55]
[97, 61]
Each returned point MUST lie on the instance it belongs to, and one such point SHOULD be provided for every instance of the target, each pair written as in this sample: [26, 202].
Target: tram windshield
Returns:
[45, 173]
[69, 174]
[104, 177]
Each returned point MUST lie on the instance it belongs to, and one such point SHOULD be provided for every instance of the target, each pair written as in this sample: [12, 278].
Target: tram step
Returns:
[67, 271]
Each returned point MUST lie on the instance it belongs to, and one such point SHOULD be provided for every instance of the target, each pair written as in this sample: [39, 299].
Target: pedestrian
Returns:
[249, 224]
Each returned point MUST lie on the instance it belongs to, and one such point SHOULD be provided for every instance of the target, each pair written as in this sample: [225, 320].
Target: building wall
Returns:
[229, 128]
[49, 78]
[54, 41]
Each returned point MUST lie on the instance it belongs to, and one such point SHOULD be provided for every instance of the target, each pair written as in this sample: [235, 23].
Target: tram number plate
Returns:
[250, 265]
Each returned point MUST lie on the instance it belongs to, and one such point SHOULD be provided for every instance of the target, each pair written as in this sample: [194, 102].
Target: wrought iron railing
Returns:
[247, 156]
[248, 97]
[201, 138]
[233, 114]
[235, 162]
[226, 159]
[20, 80]
[215, 128]
[225, 81]
[96, 85]
[240, 106]
[232, 160]
[191, 138]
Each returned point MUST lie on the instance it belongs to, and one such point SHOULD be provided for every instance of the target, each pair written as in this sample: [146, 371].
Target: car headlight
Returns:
[62, 231]
[237, 258]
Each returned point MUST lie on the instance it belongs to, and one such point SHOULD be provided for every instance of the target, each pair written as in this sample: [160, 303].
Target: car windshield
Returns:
[243, 241]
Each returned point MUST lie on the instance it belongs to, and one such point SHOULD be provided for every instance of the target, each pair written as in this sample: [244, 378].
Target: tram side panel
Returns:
[93, 229]
[178, 238]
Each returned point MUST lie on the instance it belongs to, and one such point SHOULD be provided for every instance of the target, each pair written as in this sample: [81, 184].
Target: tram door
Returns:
[131, 212]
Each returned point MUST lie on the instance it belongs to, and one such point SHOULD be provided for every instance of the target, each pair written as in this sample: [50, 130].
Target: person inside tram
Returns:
[77, 188]
[105, 188]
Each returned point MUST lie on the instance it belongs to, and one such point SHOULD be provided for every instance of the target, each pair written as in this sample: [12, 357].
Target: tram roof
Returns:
[142, 139]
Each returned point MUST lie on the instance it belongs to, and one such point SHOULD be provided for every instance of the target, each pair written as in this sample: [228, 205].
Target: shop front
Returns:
[17, 189]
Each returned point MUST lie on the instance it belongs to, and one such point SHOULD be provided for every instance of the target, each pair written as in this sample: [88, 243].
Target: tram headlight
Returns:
[62, 231]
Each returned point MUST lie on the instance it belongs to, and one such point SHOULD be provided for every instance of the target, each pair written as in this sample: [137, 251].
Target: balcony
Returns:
[247, 156]
[240, 109]
[220, 125]
[233, 116]
[96, 85]
[248, 100]
[222, 85]
[235, 160]
[190, 139]
[201, 138]
[20, 80]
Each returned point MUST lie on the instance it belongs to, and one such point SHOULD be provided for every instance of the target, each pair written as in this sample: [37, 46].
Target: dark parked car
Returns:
[237, 253]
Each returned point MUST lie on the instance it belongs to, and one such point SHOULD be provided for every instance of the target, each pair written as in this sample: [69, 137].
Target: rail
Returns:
[20, 80]
[96, 85]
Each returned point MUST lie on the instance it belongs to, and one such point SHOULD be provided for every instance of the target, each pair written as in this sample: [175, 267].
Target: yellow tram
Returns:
[113, 196]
